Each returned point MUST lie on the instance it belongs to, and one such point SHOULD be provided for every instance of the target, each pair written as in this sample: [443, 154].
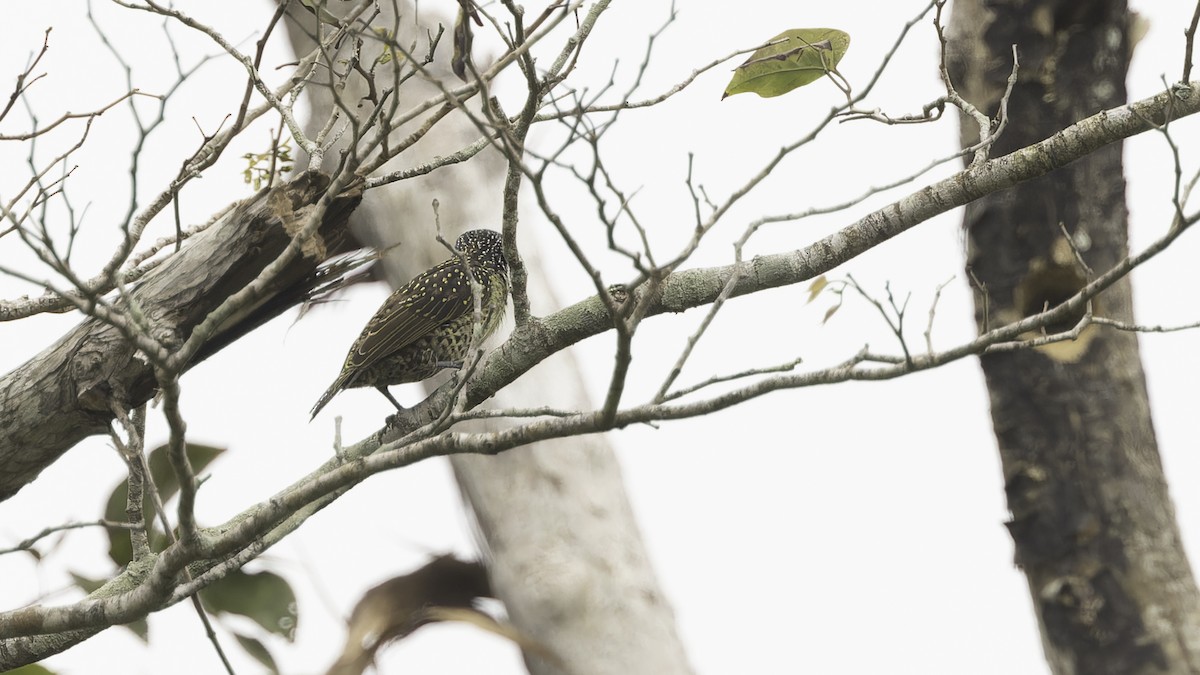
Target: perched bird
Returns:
[427, 324]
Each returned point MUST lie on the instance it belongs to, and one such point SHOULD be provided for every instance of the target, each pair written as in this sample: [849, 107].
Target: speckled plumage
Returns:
[427, 324]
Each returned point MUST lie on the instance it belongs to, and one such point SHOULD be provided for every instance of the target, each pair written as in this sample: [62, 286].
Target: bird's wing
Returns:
[436, 296]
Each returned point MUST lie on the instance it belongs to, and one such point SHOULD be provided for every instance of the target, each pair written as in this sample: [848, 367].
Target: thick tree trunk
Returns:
[1092, 522]
[566, 555]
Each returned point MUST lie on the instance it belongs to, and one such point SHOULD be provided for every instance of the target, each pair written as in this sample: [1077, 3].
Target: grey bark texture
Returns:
[1092, 520]
[76, 380]
[563, 549]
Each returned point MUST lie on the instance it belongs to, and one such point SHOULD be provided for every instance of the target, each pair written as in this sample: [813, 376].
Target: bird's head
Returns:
[484, 247]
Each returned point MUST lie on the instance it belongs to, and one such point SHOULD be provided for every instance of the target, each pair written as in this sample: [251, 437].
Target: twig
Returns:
[1062, 227]
[897, 326]
[133, 454]
[694, 338]
[717, 379]
[27, 544]
[1143, 328]
[74, 116]
[139, 473]
[937, 295]
[23, 81]
[1189, 45]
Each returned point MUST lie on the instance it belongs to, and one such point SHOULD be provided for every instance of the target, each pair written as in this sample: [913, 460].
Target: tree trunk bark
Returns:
[1092, 522]
[76, 380]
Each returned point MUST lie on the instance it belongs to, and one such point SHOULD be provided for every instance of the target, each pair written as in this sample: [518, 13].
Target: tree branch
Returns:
[74, 381]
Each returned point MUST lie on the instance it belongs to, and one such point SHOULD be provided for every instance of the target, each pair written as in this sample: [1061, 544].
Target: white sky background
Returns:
[848, 529]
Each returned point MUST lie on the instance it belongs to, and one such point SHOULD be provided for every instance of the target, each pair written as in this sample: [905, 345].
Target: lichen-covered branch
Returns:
[74, 380]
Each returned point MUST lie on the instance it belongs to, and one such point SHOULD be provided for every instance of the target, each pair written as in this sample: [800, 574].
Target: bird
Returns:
[427, 324]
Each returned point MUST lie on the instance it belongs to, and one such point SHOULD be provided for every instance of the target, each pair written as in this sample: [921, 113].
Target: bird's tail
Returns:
[327, 396]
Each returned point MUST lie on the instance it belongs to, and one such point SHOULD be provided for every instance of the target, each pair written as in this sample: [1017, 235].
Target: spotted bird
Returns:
[427, 324]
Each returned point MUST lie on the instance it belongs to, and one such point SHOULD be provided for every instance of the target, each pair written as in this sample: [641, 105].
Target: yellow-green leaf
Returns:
[795, 58]
[830, 312]
[815, 288]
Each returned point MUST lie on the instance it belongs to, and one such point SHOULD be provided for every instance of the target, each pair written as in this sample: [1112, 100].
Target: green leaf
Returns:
[139, 626]
[795, 58]
[263, 597]
[88, 585]
[317, 7]
[31, 669]
[119, 549]
[199, 455]
[254, 647]
[388, 38]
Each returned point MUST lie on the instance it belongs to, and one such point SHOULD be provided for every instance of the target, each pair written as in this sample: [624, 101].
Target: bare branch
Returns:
[27, 544]
[74, 116]
[937, 295]
[1189, 44]
[23, 80]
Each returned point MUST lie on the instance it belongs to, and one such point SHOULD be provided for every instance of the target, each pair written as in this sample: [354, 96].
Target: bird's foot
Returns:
[383, 390]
